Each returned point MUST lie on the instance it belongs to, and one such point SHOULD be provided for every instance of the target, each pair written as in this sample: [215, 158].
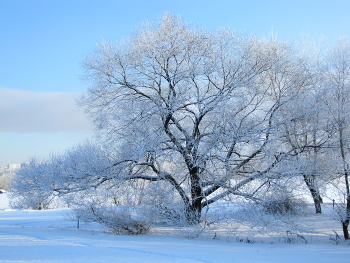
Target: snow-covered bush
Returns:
[105, 207]
[120, 220]
[284, 205]
[172, 213]
[252, 219]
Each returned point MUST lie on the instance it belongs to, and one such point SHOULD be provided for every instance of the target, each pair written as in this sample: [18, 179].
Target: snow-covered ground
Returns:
[48, 236]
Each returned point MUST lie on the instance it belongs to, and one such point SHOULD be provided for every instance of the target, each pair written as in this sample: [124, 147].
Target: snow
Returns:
[48, 236]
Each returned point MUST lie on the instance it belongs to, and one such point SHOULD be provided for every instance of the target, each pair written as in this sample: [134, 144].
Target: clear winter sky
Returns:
[42, 44]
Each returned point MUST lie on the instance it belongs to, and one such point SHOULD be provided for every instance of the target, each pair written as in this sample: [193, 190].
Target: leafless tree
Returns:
[336, 87]
[194, 109]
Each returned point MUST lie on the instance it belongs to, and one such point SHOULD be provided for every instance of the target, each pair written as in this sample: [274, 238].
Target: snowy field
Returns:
[48, 236]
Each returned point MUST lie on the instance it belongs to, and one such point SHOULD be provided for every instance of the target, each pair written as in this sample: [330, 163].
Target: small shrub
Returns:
[286, 205]
[335, 238]
[294, 238]
[173, 214]
[120, 220]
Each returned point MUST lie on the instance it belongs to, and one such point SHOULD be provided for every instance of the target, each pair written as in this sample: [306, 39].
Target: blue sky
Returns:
[42, 44]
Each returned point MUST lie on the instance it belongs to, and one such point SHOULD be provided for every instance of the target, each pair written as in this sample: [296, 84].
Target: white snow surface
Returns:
[48, 236]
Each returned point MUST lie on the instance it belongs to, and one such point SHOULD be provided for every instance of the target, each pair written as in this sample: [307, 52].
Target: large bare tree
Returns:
[194, 109]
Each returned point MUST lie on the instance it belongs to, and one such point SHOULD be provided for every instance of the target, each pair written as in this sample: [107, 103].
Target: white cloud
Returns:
[32, 111]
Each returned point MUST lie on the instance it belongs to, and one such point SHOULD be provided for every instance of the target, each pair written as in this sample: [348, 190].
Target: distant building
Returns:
[10, 168]
[13, 166]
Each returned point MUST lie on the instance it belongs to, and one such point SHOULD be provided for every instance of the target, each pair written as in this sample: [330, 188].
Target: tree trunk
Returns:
[309, 180]
[193, 214]
[345, 229]
[345, 222]
[194, 211]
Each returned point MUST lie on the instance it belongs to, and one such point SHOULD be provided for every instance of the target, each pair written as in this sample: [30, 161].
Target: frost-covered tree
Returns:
[336, 87]
[306, 128]
[192, 109]
[32, 185]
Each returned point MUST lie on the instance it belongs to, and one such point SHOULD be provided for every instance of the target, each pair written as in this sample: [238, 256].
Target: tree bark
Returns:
[345, 222]
[194, 211]
[309, 180]
[345, 225]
